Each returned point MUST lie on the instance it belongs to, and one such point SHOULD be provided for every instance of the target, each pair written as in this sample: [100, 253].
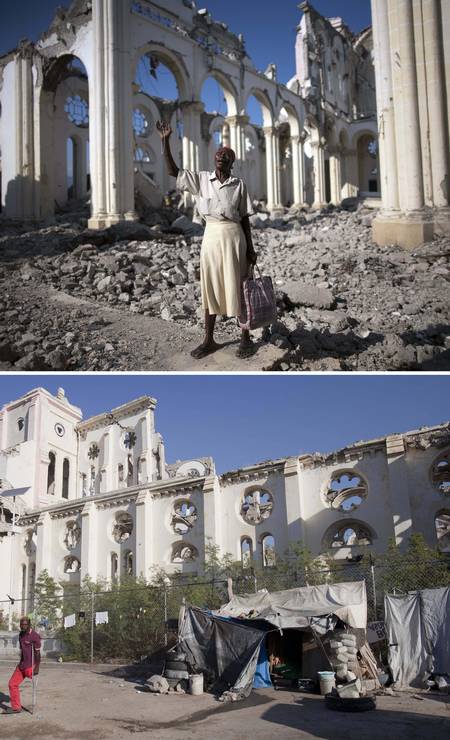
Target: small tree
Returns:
[46, 603]
[420, 566]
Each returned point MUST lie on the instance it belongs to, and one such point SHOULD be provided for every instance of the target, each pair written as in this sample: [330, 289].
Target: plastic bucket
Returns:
[196, 684]
[327, 682]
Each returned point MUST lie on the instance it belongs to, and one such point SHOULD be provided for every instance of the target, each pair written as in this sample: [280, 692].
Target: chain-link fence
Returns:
[131, 620]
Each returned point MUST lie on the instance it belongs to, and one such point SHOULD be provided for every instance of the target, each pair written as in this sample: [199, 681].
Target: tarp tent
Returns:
[226, 645]
[418, 631]
[296, 607]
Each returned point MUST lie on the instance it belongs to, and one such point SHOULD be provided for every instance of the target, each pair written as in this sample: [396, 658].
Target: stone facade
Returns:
[79, 83]
[102, 500]
[412, 65]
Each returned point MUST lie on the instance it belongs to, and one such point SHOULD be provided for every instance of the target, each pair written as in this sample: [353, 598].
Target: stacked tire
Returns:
[176, 670]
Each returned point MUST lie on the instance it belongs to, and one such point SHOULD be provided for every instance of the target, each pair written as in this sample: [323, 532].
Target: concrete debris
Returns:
[343, 302]
[157, 685]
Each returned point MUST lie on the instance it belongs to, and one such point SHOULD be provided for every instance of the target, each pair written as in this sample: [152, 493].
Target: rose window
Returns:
[256, 506]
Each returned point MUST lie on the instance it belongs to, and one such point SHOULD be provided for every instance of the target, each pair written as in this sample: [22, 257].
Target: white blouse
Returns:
[219, 201]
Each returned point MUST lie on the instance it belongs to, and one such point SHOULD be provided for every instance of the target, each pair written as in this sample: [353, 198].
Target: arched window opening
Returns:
[83, 484]
[349, 535]
[92, 482]
[128, 563]
[368, 166]
[65, 482]
[246, 552]
[440, 473]
[256, 506]
[268, 551]
[114, 566]
[51, 474]
[254, 111]
[442, 524]
[346, 491]
[130, 471]
[122, 527]
[184, 517]
[71, 564]
[184, 553]
[77, 109]
[155, 79]
[213, 97]
[120, 478]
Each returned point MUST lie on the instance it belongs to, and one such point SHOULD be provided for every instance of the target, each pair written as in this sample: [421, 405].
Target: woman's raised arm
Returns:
[165, 130]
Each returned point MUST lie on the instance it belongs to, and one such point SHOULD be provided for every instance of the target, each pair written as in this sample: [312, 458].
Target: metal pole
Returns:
[92, 626]
[165, 616]
[11, 540]
[372, 570]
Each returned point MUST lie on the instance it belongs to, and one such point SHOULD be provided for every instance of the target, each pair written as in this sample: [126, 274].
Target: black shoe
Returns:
[9, 710]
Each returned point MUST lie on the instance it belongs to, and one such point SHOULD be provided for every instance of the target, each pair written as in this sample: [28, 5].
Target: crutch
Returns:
[34, 680]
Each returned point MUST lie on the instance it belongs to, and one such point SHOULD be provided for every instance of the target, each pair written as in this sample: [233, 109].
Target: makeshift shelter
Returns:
[228, 646]
[418, 631]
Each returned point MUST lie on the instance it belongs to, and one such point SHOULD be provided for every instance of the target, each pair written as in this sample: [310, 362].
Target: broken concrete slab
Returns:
[301, 293]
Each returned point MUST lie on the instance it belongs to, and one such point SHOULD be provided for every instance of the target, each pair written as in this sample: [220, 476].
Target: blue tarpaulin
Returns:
[261, 678]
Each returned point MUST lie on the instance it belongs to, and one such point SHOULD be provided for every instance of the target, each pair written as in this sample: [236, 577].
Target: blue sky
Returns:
[268, 28]
[240, 420]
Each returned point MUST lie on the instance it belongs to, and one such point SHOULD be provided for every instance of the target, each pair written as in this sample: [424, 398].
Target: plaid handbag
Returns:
[258, 303]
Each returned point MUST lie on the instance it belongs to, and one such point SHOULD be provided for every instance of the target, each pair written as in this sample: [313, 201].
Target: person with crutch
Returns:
[28, 667]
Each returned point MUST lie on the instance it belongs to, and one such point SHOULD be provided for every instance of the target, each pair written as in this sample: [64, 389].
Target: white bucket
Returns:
[327, 682]
[196, 684]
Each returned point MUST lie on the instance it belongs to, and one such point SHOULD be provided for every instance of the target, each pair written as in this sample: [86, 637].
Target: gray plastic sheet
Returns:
[225, 651]
[418, 632]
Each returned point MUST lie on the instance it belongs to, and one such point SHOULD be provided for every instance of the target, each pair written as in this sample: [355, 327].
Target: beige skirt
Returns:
[223, 267]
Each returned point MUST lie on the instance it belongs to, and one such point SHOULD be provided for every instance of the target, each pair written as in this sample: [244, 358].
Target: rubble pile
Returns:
[344, 303]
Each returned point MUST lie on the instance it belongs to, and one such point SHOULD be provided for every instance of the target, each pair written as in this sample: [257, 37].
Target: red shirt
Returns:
[28, 640]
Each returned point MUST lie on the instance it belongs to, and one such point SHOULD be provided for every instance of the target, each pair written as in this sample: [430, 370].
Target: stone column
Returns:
[407, 109]
[89, 542]
[192, 111]
[437, 129]
[44, 544]
[298, 170]
[385, 107]
[272, 167]
[111, 115]
[144, 539]
[19, 196]
[414, 115]
[319, 173]
[335, 177]
[237, 126]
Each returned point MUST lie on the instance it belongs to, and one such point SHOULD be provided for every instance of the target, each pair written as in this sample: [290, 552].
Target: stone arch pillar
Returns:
[298, 170]
[318, 148]
[335, 176]
[112, 172]
[271, 136]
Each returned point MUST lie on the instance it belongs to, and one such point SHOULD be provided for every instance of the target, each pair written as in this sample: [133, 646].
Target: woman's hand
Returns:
[164, 130]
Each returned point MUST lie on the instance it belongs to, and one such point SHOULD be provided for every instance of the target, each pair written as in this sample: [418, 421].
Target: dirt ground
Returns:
[77, 702]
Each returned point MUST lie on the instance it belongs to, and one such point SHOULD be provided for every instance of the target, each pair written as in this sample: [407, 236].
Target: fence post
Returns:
[255, 581]
[374, 587]
[165, 615]
[92, 626]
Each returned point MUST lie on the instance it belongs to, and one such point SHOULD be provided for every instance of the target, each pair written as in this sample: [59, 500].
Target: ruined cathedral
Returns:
[364, 116]
[97, 497]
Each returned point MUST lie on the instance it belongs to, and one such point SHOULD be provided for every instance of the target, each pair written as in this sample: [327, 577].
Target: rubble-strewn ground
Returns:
[84, 703]
[128, 298]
